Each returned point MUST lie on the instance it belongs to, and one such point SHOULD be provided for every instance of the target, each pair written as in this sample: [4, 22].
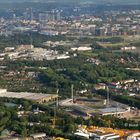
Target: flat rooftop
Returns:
[112, 110]
[28, 95]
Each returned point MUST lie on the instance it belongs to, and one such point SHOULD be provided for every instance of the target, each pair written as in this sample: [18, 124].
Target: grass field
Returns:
[88, 54]
[113, 45]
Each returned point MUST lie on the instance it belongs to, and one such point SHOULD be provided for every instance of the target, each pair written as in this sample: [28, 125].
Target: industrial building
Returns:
[113, 111]
[104, 133]
[85, 109]
[37, 97]
[134, 136]
[26, 52]
[90, 111]
[37, 136]
[24, 47]
[97, 135]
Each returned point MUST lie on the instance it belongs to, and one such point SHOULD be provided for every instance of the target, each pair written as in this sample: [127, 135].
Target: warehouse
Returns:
[113, 111]
[37, 97]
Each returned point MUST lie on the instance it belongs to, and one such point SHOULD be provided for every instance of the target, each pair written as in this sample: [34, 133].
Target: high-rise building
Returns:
[58, 16]
[50, 16]
[31, 14]
[43, 16]
[28, 14]
[14, 16]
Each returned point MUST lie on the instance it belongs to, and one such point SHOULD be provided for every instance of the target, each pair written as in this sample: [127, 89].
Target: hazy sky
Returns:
[95, 1]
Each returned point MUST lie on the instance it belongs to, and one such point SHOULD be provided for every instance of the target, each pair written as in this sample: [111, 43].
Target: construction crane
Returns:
[25, 134]
[55, 109]
[54, 122]
[54, 119]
